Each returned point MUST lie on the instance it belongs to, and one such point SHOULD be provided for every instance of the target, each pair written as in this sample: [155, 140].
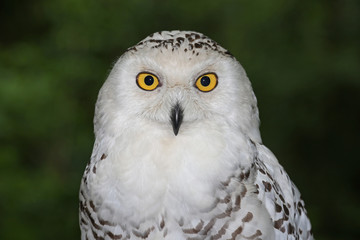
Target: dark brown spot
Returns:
[256, 234]
[247, 174]
[248, 217]
[133, 49]
[227, 182]
[227, 213]
[290, 229]
[82, 206]
[113, 236]
[162, 224]
[104, 222]
[286, 210]
[197, 45]
[84, 179]
[91, 219]
[87, 169]
[97, 237]
[267, 186]
[155, 40]
[241, 176]
[227, 52]
[238, 201]
[257, 189]
[92, 205]
[278, 223]
[94, 169]
[299, 211]
[145, 234]
[194, 230]
[103, 156]
[221, 232]
[236, 233]
[226, 199]
[268, 174]
[277, 207]
[83, 221]
[208, 226]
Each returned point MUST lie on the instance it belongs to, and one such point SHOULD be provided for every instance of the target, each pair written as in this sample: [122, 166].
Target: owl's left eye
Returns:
[206, 82]
[147, 81]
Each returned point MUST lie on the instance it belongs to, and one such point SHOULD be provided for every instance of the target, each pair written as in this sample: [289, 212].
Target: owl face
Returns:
[174, 80]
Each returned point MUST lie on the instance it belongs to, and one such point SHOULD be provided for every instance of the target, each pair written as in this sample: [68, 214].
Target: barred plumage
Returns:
[183, 159]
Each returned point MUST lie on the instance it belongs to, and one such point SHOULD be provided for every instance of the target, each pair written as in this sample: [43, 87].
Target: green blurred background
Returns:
[303, 58]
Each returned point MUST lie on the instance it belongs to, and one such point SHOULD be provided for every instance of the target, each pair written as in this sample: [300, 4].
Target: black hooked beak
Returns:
[176, 116]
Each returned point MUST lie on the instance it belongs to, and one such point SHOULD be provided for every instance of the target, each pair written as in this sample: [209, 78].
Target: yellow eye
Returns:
[206, 82]
[147, 81]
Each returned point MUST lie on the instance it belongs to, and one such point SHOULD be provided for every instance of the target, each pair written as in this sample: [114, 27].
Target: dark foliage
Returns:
[303, 58]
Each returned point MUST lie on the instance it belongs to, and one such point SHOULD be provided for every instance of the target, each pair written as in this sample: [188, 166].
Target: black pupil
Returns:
[205, 81]
[149, 80]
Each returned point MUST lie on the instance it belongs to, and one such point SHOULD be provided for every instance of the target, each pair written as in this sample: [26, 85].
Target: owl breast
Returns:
[149, 174]
[161, 187]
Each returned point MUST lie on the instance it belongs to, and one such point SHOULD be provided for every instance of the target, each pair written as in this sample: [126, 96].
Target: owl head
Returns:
[176, 81]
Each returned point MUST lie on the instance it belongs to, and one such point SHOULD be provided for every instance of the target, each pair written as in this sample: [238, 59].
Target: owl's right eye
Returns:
[147, 81]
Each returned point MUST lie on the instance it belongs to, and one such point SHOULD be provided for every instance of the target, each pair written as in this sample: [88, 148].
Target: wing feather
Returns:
[280, 196]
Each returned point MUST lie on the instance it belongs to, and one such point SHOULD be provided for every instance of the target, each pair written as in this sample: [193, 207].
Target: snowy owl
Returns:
[178, 152]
